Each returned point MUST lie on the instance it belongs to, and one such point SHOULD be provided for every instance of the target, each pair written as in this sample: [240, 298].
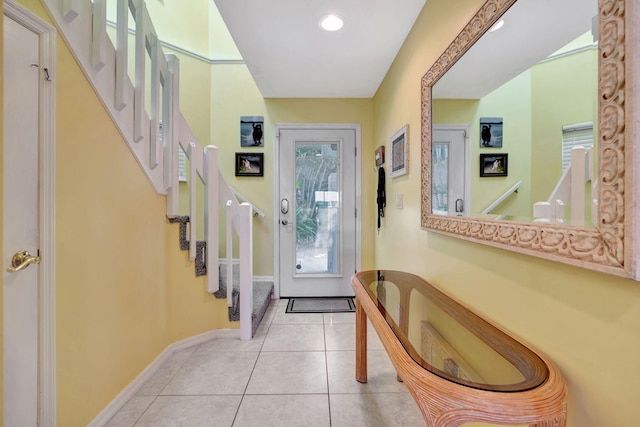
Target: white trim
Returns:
[130, 391]
[47, 285]
[276, 191]
[186, 52]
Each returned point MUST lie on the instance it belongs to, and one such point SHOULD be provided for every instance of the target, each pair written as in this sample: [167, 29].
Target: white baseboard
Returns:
[130, 391]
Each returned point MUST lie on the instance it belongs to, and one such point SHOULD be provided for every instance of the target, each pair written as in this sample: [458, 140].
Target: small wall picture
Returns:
[249, 164]
[251, 131]
[399, 149]
[490, 132]
[493, 164]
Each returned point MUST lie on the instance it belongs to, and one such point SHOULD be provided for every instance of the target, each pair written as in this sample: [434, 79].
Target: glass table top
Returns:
[447, 339]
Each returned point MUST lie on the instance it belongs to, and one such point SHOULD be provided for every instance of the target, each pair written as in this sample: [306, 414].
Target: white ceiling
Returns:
[533, 30]
[289, 56]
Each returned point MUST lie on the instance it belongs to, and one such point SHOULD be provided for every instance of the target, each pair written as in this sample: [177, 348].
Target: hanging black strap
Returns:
[382, 197]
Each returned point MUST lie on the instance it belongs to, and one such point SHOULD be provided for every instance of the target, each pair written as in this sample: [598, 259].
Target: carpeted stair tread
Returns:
[262, 290]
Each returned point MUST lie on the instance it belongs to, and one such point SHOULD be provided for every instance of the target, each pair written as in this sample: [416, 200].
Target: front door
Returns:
[317, 226]
[450, 170]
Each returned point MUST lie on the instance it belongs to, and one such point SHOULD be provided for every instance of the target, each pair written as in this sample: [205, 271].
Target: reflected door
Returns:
[449, 181]
[317, 210]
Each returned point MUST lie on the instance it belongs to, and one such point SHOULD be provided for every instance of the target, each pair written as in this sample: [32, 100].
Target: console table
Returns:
[458, 367]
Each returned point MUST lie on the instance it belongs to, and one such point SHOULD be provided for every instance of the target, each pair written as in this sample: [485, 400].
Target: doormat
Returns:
[321, 305]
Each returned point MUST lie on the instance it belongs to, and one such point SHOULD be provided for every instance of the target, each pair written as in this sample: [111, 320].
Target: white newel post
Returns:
[578, 179]
[211, 216]
[246, 270]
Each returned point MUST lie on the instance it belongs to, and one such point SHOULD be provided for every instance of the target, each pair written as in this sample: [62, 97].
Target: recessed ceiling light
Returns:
[497, 26]
[331, 23]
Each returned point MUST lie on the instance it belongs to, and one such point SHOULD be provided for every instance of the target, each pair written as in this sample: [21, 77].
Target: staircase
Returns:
[155, 136]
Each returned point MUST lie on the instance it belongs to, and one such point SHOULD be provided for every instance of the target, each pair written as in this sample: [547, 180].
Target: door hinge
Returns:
[355, 151]
[356, 212]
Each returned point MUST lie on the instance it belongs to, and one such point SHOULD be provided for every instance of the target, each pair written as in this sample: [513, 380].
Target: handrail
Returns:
[502, 198]
[243, 199]
[156, 150]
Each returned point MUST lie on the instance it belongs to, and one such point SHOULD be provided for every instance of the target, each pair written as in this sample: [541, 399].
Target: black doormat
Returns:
[321, 305]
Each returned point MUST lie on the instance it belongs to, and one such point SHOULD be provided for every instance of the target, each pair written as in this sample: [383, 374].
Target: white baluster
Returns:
[211, 216]
[138, 93]
[99, 41]
[245, 233]
[229, 244]
[194, 152]
[122, 52]
[171, 135]
[154, 146]
[69, 10]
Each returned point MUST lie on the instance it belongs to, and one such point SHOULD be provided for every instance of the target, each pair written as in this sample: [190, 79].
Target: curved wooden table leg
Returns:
[361, 343]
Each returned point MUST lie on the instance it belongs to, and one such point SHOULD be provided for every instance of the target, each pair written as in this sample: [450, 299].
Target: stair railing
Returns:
[502, 198]
[83, 26]
[570, 189]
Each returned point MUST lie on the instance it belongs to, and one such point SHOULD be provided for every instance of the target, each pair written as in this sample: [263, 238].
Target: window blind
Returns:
[574, 135]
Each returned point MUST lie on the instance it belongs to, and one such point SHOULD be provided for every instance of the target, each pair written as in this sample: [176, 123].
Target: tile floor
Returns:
[297, 371]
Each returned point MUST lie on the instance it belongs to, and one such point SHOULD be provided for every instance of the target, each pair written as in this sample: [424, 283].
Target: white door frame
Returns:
[276, 190]
[467, 159]
[47, 154]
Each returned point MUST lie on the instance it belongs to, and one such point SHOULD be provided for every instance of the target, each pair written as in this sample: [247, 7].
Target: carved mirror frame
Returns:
[602, 248]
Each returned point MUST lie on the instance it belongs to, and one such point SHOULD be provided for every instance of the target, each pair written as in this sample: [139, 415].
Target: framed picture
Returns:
[490, 132]
[249, 164]
[251, 131]
[399, 149]
[494, 164]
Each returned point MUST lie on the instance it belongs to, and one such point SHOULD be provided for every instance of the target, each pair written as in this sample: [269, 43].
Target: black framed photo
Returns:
[251, 131]
[249, 164]
[490, 132]
[494, 164]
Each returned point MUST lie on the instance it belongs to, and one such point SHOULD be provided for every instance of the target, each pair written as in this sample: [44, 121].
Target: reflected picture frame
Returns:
[249, 164]
[494, 164]
[399, 152]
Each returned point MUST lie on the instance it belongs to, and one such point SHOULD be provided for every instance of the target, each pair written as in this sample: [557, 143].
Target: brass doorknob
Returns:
[22, 260]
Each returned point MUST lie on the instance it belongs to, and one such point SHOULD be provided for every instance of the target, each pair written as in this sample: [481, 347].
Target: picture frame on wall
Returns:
[249, 164]
[251, 131]
[399, 152]
[491, 132]
[494, 164]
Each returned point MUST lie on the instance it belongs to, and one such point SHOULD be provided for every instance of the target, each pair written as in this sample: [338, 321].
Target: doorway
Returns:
[450, 181]
[28, 226]
[317, 188]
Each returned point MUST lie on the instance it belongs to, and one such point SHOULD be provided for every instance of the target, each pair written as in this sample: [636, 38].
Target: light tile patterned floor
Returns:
[297, 371]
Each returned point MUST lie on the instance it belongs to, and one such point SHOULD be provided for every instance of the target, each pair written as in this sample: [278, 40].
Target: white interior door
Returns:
[316, 203]
[450, 170]
[20, 223]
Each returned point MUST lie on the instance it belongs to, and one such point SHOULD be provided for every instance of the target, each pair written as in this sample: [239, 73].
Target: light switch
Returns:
[399, 201]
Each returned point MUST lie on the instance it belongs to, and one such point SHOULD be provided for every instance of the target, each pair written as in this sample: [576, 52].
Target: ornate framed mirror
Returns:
[605, 246]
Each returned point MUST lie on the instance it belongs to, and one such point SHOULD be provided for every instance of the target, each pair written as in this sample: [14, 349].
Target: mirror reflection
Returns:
[509, 116]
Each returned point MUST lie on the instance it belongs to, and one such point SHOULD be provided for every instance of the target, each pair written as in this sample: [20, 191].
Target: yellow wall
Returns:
[565, 91]
[586, 322]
